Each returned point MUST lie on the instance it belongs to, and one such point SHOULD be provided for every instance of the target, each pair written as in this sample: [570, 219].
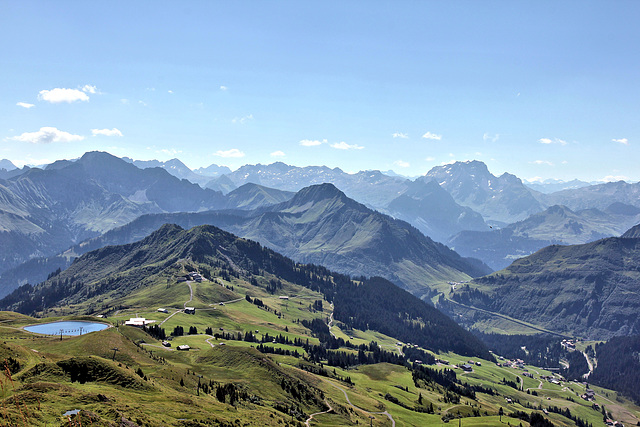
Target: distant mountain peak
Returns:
[7, 165]
[317, 193]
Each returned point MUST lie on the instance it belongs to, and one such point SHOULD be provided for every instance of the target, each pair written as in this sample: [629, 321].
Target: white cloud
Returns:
[542, 162]
[234, 152]
[278, 154]
[170, 91]
[401, 164]
[430, 159]
[90, 89]
[400, 135]
[614, 178]
[312, 142]
[492, 138]
[124, 101]
[58, 95]
[106, 132]
[433, 136]
[47, 135]
[552, 141]
[623, 141]
[344, 146]
[242, 120]
[144, 104]
[24, 105]
[223, 88]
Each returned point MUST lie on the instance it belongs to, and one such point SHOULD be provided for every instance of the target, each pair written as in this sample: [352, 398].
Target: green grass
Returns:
[173, 376]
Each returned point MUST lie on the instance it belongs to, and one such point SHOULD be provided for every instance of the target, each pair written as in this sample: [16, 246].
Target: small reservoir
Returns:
[73, 328]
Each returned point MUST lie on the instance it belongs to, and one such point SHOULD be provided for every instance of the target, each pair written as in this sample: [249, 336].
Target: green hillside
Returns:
[321, 355]
[589, 290]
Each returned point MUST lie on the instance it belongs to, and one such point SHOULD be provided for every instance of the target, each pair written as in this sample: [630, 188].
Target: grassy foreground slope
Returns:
[254, 358]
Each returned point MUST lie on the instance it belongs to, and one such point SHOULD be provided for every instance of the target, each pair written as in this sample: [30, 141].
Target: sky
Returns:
[540, 89]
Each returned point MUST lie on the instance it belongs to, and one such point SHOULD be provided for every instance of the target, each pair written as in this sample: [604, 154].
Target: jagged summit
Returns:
[501, 200]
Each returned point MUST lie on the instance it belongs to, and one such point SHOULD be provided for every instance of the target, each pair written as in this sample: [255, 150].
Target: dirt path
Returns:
[157, 346]
[170, 316]
[586, 376]
[190, 294]
[346, 396]
[208, 340]
[227, 302]
[308, 422]
[330, 324]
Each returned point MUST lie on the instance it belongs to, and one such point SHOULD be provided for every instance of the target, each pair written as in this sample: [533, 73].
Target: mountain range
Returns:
[319, 225]
[555, 225]
[178, 169]
[500, 200]
[462, 205]
[552, 185]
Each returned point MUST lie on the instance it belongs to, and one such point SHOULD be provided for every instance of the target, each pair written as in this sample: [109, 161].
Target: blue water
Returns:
[67, 328]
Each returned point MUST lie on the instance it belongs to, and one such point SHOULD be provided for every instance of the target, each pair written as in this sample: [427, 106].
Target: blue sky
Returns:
[539, 89]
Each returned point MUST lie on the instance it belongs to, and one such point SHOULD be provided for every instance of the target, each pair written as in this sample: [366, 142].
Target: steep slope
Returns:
[590, 290]
[321, 225]
[118, 271]
[252, 196]
[154, 185]
[432, 210]
[222, 184]
[500, 200]
[632, 233]
[45, 211]
[372, 188]
[556, 225]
